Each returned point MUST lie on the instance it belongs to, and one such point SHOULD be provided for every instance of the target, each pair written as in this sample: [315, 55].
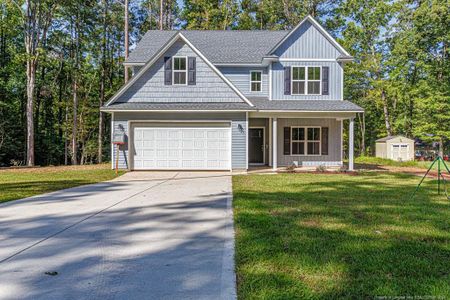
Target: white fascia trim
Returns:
[345, 60]
[307, 60]
[309, 111]
[215, 69]
[238, 64]
[131, 64]
[173, 111]
[319, 27]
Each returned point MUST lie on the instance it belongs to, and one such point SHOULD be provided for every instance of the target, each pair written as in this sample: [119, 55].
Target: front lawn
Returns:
[21, 183]
[330, 236]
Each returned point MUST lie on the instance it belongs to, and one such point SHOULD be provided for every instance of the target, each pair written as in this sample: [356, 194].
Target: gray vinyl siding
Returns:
[150, 86]
[334, 140]
[240, 77]
[335, 81]
[307, 42]
[238, 131]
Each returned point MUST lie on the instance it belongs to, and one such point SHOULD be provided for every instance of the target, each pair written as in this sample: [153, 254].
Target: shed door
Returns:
[400, 152]
[182, 148]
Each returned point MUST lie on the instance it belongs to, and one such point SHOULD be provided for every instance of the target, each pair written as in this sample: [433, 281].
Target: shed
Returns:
[395, 147]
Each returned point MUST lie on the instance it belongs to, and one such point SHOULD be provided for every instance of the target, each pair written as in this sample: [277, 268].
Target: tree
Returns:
[126, 35]
[37, 17]
[209, 14]
[364, 28]
[428, 40]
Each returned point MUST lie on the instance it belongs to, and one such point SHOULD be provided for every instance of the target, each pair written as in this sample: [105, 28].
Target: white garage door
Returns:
[182, 148]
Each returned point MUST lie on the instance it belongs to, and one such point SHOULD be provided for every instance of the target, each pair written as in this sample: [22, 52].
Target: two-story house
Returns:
[226, 100]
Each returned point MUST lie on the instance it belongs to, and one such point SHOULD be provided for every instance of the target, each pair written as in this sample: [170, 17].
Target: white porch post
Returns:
[274, 143]
[350, 144]
[270, 142]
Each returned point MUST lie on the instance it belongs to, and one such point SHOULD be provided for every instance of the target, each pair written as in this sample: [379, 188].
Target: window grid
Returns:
[179, 70]
[255, 81]
[307, 141]
[305, 79]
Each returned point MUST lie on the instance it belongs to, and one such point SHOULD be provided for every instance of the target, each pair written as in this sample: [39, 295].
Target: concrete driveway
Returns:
[146, 235]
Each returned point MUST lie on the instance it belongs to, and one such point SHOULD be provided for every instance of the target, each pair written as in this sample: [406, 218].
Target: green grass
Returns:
[370, 160]
[17, 184]
[314, 236]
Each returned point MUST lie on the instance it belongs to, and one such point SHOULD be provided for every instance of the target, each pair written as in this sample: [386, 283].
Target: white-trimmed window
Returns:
[306, 80]
[313, 79]
[179, 70]
[255, 81]
[298, 83]
[305, 140]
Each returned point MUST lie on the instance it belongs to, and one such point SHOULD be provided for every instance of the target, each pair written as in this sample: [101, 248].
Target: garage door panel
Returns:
[188, 154]
[199, 134]
[190, 148]
[148, 164]
[147, 153]
[199, 144]
[188, 144]
[173, 144]
[148, 144]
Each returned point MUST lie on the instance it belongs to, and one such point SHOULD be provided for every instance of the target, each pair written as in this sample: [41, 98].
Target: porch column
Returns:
[270, 142]
[274, 143]
[350, 144]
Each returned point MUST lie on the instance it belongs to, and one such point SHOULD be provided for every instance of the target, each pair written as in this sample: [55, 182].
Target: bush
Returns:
[321, 168]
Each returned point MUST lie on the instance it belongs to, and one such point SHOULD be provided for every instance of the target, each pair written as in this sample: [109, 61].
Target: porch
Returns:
[305, 140]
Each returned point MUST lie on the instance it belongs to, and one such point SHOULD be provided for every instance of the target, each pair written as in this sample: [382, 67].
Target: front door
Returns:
[256, 145]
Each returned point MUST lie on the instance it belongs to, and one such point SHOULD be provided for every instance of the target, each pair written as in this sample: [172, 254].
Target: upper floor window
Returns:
[306, 80]
[179, 71]
[255, 81]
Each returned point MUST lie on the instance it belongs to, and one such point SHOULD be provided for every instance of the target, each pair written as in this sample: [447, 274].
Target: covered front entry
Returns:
[299, 139]
[182, 146]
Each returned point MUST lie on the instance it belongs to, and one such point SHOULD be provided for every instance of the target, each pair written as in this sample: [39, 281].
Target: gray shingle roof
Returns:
[261, 104]
[219, 46]
[387, 138]
[306, 105]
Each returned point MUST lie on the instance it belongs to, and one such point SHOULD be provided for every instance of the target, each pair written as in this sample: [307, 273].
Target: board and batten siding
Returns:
[238, 131]
[150, 86]
[335, 81]
[334, 156]
[307, 42]
[240, 77]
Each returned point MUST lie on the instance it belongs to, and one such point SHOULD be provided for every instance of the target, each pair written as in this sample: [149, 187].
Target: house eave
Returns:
[106, 110]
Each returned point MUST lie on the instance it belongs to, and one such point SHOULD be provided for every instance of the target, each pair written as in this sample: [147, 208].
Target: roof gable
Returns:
[301, 26]
[226, 89]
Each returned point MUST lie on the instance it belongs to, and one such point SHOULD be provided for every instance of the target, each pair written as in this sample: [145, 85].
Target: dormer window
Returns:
[255, 81]
[306, 80]
[179, 70]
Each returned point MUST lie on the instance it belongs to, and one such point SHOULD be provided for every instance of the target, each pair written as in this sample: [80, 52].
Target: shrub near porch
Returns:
[304, 236]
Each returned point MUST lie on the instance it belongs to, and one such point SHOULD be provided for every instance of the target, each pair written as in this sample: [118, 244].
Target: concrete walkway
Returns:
[145, 235]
